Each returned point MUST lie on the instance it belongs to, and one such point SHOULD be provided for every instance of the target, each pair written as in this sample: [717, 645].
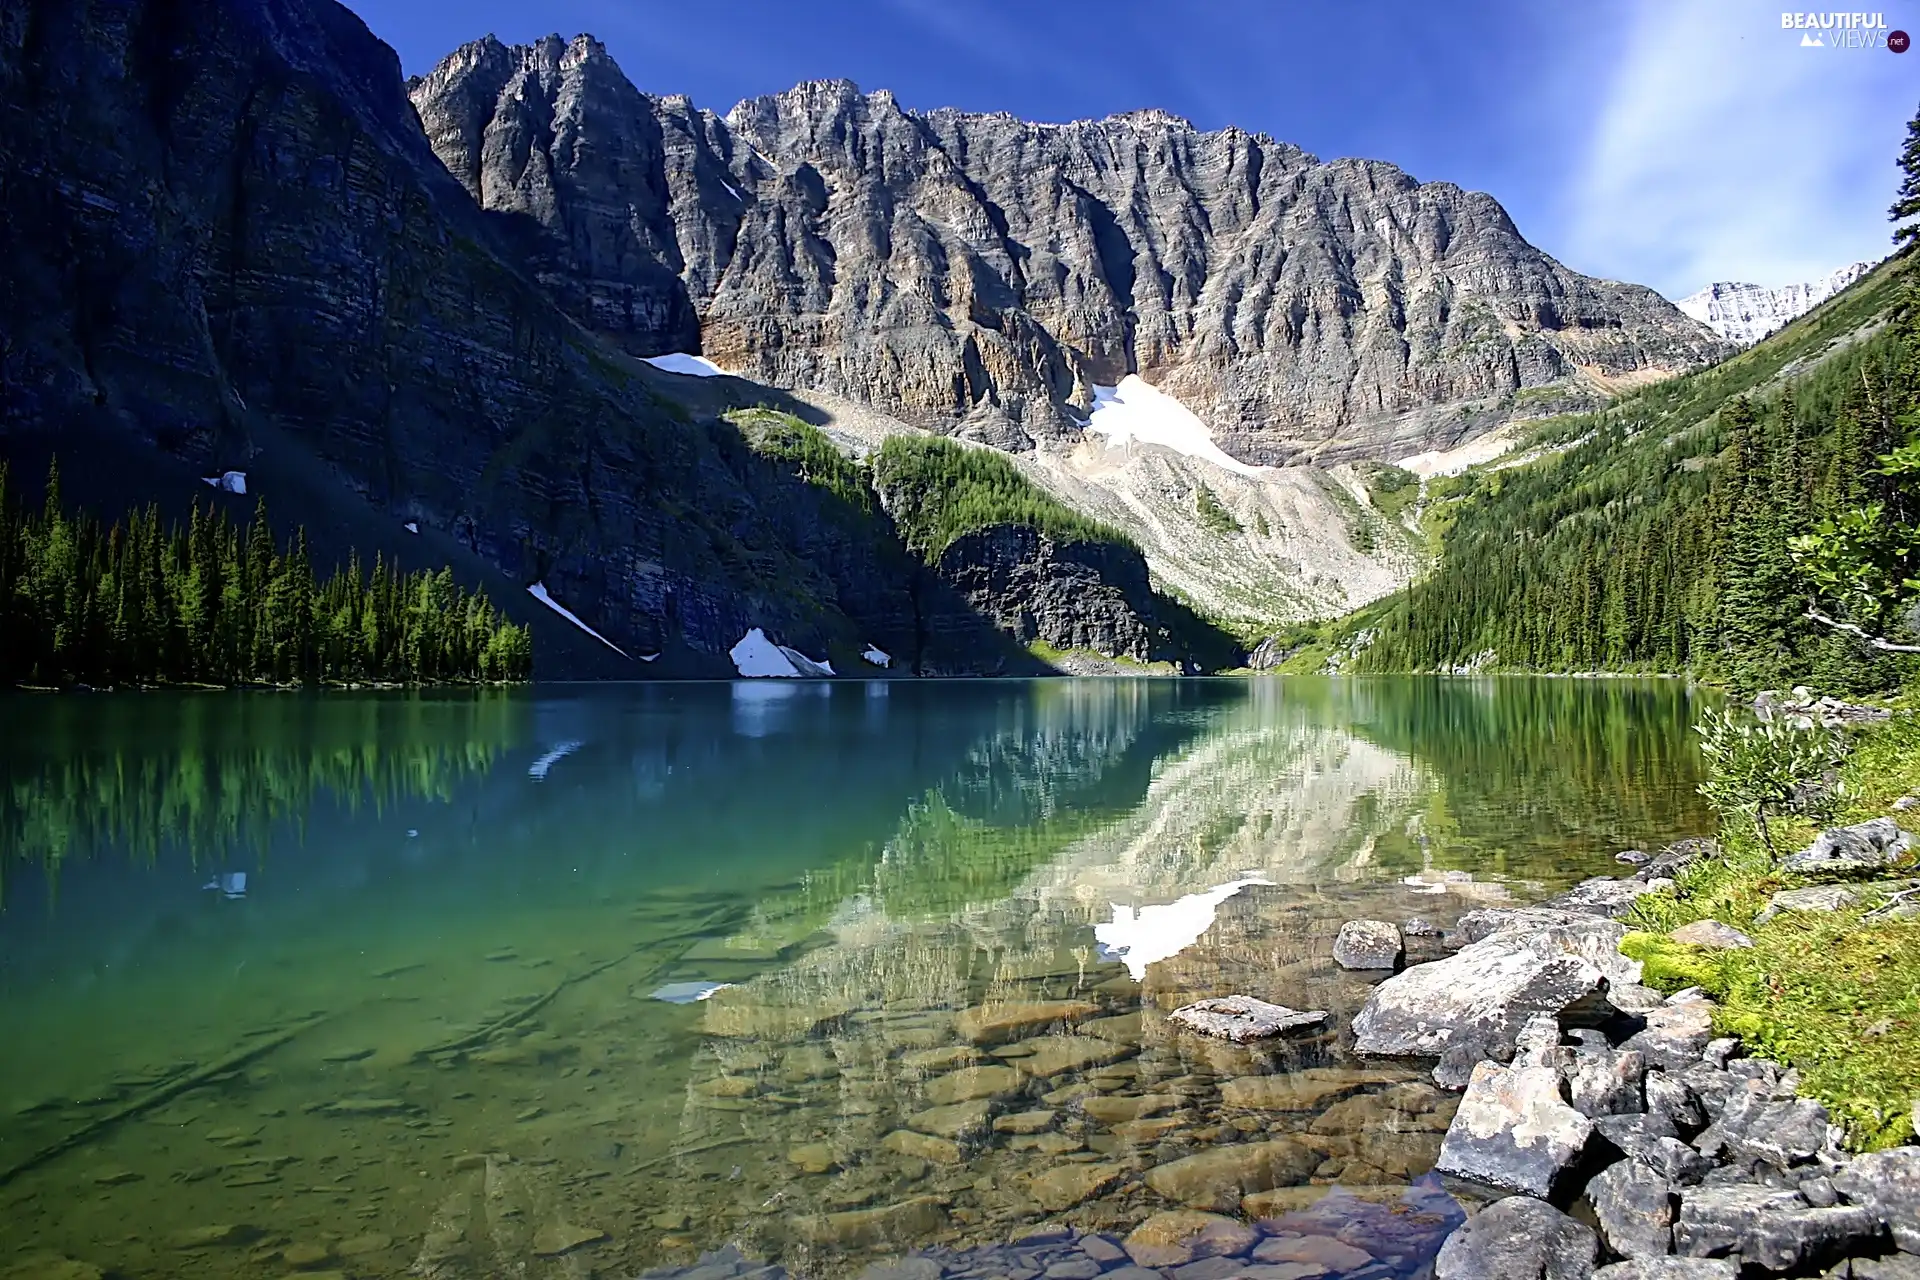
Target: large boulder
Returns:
[1768, 1228]
[1860, 850]
[1513, 1130]
[1604, 1082]
[1516, 964]
[1519, 1238]
[1817, 897]
[1887, 1185]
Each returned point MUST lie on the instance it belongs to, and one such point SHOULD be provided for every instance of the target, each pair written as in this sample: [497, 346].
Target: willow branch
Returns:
[1873, 641]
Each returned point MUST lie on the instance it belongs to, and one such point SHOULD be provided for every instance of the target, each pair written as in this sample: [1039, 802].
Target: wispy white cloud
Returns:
[1723, 150]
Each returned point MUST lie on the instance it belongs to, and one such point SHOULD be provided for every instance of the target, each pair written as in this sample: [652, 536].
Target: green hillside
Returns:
[1655, 535]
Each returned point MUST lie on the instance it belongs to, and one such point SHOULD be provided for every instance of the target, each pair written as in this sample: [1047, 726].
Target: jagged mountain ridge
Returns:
[229, 246]
[980, 274]
[1745, 313]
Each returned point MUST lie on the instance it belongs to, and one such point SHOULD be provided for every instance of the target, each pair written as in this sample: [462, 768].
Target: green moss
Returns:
[1672, 966]
[1834, 994]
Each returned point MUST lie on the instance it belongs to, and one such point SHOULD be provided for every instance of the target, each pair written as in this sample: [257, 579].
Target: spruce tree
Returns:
[1906, 206]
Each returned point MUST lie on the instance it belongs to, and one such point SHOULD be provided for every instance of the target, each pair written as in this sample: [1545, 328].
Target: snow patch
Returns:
[733, 191]
[411, 527]
[756, 656]
[691, 365]
[538, 769]
[228, 481]
[1150, 934]
[539, 592]
[1135, 411]
[687, 992]
[876, 656]
[1451, 462]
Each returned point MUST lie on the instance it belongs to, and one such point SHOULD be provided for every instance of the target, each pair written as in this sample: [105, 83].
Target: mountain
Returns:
[231, 248]
[1745, 313]
[981, 275]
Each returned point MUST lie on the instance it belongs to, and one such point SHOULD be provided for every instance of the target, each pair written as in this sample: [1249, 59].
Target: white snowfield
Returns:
[228, 481]
[539, 592]
[691, 365]
[878, 657]
[1150, 934]
[758, 657]
[1136, 411]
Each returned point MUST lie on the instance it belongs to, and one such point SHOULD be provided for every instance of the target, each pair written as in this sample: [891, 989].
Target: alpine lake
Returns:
[586, 980]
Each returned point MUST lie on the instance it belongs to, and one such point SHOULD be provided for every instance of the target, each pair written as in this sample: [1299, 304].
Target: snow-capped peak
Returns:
[1746, 313]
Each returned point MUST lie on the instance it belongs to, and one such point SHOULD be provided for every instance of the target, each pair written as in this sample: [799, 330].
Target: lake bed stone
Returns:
[1243, 1018]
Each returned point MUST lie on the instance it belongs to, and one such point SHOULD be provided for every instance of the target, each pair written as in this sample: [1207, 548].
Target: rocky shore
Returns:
[1586, 1124]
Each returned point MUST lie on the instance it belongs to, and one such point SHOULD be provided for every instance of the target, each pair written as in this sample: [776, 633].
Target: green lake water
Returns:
[424, 1032]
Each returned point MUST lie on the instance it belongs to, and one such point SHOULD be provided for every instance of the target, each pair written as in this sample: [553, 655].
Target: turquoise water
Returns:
[424, 1031]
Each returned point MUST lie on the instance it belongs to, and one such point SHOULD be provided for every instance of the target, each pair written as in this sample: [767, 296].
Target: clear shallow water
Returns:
[457, 910]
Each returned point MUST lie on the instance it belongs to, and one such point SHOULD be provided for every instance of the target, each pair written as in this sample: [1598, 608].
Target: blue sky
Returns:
[1671, 142]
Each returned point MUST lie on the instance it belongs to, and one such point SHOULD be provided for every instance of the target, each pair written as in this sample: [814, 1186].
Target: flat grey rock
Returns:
[1711, 933]
[1819, 897]
[1670, 1269]
[1515, 964]
[1676, 1034]
[1768, 1228]
[1861, 849]
[1243, 1018]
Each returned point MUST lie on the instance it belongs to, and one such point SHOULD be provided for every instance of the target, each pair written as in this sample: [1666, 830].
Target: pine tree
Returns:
[1905, 213]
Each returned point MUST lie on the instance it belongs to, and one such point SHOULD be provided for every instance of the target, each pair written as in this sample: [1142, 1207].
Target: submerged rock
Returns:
[1218, 1178]
[888, 1224]
[971, 1083]
[999, 1023]
[1243, 1018]
[1067, 1185]
[1180, 1236]
[1519, 1238]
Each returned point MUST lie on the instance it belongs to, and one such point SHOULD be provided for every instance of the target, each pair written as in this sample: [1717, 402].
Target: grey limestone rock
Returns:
[1368, 944]
[1769, 1228]
[1819, 897]
[1243, 1018]
[1519, 1238]
[1513, 1130]
[1675, 1034]
[1515, 964]
[1862, 849]
[1670, 1269]
[1887, 1185]
[1711, 933]
[1634, 1206]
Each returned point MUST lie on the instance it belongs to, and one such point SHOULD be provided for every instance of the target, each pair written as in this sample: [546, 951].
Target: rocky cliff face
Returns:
[981, 274]
[1745, 313]
[228, 241]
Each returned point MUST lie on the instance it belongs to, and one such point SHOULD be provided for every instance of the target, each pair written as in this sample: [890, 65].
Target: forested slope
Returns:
[1656, 534]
